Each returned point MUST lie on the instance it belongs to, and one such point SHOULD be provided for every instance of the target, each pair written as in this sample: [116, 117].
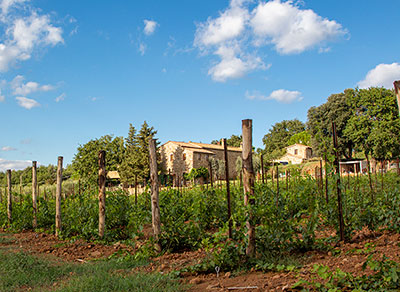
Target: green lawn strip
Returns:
[116, 275]
[103, 281]
[20, 270]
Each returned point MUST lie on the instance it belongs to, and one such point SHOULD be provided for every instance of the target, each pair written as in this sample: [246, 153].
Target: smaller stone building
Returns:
[296, 154]
[180, 157]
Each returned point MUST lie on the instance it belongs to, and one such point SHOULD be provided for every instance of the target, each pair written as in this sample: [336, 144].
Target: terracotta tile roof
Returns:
[201, 146]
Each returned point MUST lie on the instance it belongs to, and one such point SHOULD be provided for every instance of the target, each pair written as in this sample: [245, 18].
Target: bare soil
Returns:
[349, 258]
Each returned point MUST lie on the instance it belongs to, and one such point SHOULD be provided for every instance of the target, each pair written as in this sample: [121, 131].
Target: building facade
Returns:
[180, 157]
[296, 154]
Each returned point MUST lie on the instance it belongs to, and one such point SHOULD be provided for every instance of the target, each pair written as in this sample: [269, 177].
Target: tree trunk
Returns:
[34, 193]
[58, 195]
[248, 183]
[155, 207]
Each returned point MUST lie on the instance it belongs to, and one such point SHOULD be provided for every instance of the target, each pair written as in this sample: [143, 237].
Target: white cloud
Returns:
[149, 26]
[8, 148]
[24, 34]
[231, 66]
[14, 164]
[245, 31]
[6, 4]
[2, 97]
[381, 75]
[60, 97]
[142, 48]
[20, 88]
[229, 25]
[280, 95]
[291, 29]
[27, 102]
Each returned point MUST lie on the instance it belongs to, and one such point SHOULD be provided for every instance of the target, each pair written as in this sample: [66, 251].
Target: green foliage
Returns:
[374, 125]
[196, 173]
[300, 138]
[336, 109]
[85, 161]
[385, 277]
[278, 137]
[233, 141]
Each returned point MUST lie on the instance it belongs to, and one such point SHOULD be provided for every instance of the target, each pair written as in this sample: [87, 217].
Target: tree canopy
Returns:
[336, 109]
[278, 137]
[233, 141]
[374, 125]
[135, 164]
[85, 162]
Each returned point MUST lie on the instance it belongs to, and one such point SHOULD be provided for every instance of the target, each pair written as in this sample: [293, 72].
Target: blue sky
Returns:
[72, 71]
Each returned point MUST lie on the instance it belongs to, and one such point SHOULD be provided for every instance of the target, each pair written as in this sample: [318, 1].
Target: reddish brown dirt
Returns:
[350, 258]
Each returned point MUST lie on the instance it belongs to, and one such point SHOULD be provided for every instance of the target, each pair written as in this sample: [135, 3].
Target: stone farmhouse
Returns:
[180, 157]
[296, 154]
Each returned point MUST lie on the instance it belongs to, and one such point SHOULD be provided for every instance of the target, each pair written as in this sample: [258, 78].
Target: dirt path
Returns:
[350, 258]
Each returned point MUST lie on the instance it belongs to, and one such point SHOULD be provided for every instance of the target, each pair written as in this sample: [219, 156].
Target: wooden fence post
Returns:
[136, 189]
[248, 183]
[277, 185]
[228, 192]
[34, 193]
[326, 179]
[9, 197]
[58, 195]
[339, 193]
[262, 168]
[211, 173]
[321, 176]
[155, 207]
[397, 91]
[102, 192]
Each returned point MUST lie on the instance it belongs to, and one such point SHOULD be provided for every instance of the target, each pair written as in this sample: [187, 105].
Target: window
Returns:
[184, 156]
[199, 156]
[171, 158]
[295, 151]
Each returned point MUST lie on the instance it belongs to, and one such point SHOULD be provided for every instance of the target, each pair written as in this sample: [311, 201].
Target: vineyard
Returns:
[289, 223]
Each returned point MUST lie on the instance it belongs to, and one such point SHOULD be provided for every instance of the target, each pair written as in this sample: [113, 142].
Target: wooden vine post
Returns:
[211, 173]
[58, 195]
[326, 178]
[262, 168]
[102, 192]
[321, 176]
[397, 91]
[248, 183]
[9, 196]
[338, 189]
[277, 185]
[155, 207]
[34, 193]
[228, 192]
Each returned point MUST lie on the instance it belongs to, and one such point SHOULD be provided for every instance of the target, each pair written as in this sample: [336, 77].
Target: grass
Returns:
[6, 238]
[21, 271]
